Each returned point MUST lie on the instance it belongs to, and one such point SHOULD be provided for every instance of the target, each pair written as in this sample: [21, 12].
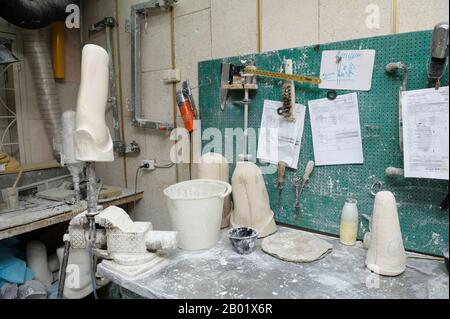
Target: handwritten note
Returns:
[347, 70]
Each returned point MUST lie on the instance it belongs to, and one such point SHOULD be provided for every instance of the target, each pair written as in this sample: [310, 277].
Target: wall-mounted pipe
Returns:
[38, 55]
[58, 49]
[34, 14]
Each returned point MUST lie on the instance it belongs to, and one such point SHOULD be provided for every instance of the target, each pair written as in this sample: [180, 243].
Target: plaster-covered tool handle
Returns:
[281, 172]
[17, 179]
[308, 171]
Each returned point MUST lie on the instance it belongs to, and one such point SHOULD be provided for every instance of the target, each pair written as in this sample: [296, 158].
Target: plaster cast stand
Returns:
[92, 139]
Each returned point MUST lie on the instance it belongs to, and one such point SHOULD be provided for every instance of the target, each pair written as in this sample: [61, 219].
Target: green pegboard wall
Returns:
[424, 225]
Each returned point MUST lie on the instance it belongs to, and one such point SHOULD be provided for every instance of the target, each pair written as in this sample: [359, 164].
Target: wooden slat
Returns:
[33, 167]
[22, 229]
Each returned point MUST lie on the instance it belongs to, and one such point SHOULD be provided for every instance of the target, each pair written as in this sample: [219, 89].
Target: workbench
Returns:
[37, 213]
[221, 273]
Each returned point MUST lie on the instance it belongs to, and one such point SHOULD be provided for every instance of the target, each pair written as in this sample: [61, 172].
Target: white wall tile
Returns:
[234, 27]
[346, 19]
[156, 46]
[192, 43]
[157, 100]
[416, 15]
[289, 23]
[184, 7]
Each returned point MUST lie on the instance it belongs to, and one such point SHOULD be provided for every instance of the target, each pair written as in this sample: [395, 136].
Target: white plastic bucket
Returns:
[195, 209]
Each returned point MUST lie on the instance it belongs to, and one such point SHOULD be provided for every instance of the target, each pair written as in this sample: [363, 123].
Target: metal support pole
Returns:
[65, 260]
[246, 101]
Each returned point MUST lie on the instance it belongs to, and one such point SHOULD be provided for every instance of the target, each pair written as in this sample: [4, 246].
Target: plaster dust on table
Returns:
[221, 273]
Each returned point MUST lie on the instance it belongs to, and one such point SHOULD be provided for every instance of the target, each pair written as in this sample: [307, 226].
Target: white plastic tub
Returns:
[195, 209]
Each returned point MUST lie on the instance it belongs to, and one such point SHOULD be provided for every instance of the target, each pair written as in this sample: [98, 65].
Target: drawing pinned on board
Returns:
[286, 143]
[347, 69]
[426, 133]
[336, 131]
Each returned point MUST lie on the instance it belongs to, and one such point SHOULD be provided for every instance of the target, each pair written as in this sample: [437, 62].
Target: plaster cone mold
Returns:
[215, 166]
[92, 137]
[386, 255]
[78, 281]
[251, 200]
[37, 261]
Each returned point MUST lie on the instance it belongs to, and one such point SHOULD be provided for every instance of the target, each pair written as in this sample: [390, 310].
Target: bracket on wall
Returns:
[137, 11]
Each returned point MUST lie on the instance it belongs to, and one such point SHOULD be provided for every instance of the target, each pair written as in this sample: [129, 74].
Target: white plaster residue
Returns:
[436, 240]
[330, 185]
[334, 282]
[223, 262]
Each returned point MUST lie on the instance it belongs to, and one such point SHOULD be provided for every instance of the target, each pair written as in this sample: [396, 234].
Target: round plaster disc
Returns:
[296, 246]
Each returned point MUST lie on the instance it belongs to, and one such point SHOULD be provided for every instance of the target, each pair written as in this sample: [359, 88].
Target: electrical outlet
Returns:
[149, 165]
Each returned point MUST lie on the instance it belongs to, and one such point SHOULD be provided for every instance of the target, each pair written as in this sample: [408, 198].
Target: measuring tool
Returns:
[284, 76]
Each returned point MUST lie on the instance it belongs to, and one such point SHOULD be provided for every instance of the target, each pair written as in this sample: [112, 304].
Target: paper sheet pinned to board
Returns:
[280, 140]
[426, 133]
[336, 131]
[347, 69]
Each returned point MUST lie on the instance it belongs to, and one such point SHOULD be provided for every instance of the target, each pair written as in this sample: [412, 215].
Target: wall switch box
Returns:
[171, 76]
[148, 165]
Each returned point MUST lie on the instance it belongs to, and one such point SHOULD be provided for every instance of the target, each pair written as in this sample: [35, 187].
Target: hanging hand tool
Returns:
[439, 54]
[187, 113]
[288, 109]
[187, 91]
[281, 173]
[300, 185]
[225, 80]
[184, 98]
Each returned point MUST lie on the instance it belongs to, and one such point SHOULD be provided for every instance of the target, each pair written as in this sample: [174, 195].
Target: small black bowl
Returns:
[243, 239]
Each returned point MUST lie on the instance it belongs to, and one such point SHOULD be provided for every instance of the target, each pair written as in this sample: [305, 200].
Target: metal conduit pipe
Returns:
[34, 14]
[37, 51]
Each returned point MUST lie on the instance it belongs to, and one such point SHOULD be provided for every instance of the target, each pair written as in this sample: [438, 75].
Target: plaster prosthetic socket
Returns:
[93, 141]
[78, 273]
[37, 261]
[251, 200]
[215, 166]
[386, 255]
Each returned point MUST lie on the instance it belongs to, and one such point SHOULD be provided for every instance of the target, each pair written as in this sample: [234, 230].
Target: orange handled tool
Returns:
[186, 111]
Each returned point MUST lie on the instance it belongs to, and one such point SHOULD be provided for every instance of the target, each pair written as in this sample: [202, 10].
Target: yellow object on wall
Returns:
[58, 29]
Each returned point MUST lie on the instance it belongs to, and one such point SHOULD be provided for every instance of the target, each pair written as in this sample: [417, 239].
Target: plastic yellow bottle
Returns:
[349, 223]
